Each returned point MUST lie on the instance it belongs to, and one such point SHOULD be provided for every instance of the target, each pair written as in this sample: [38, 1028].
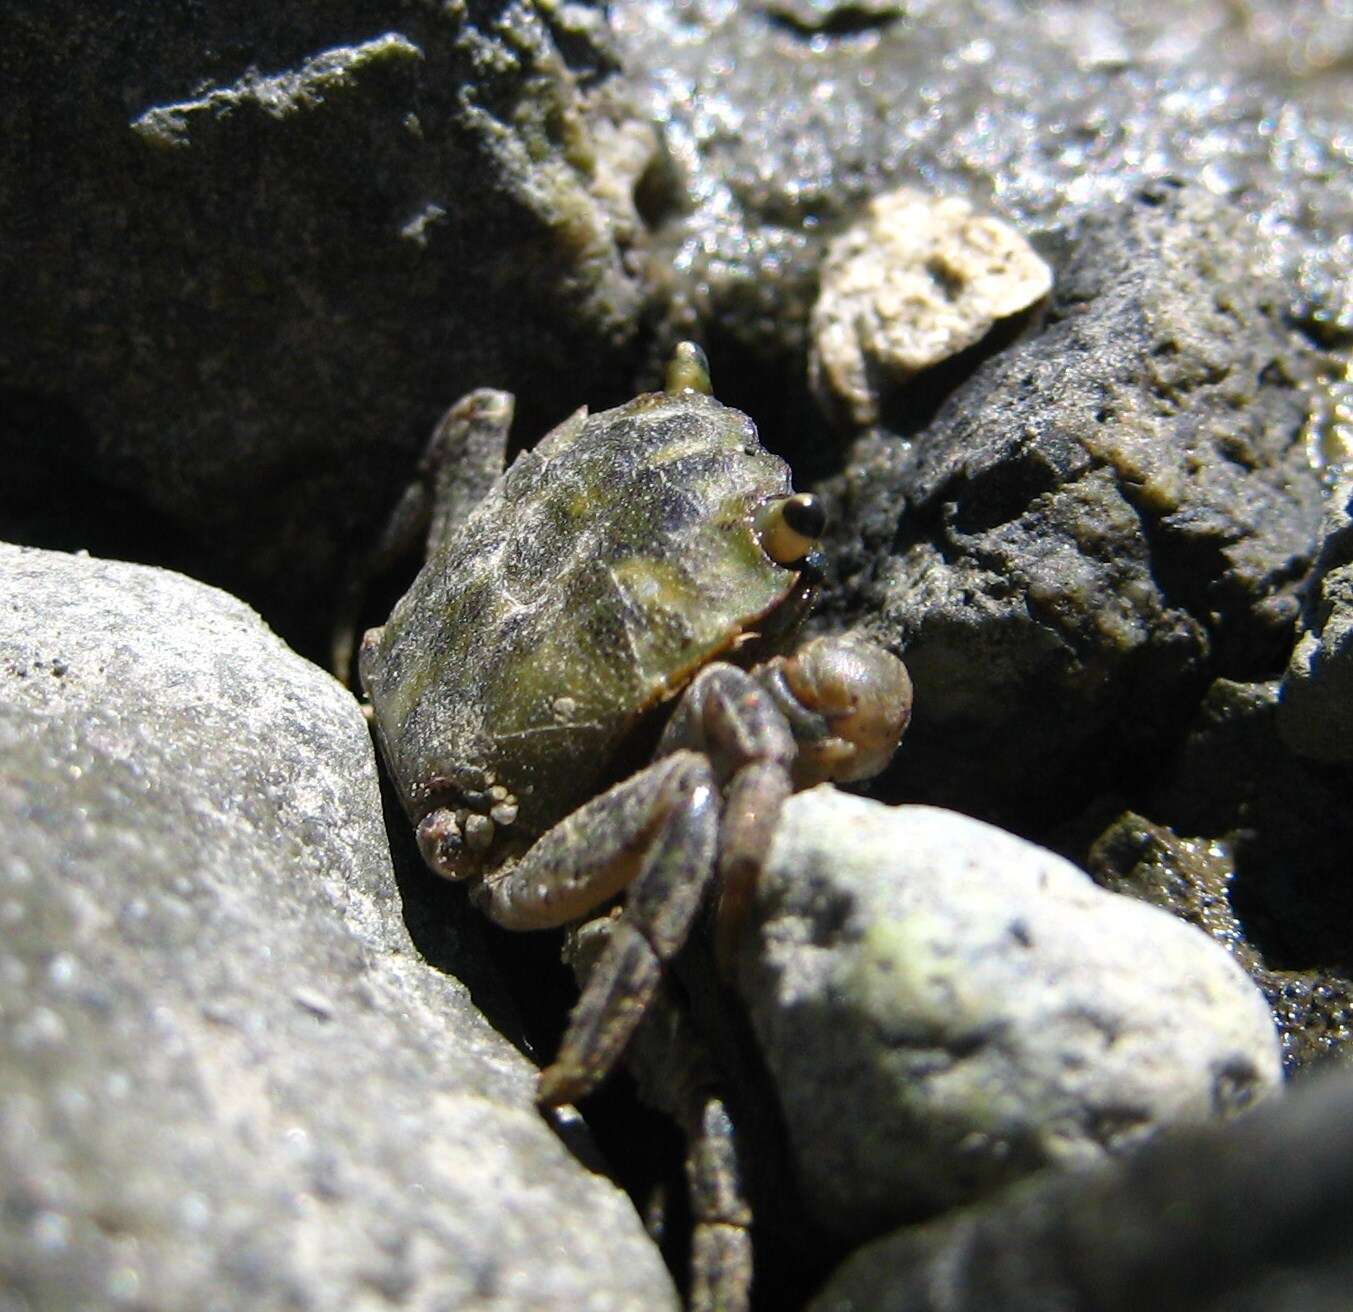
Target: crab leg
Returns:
[675, 1074]
[728, 715]
[466, 453]
[721, 1246]
[654, 834]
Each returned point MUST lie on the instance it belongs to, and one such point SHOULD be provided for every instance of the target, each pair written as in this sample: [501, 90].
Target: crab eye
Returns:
[790, 527]
[688, 371]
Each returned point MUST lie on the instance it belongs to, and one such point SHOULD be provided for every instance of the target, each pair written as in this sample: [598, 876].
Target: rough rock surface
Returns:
[1101, 517]
[945, 1008]
[1253, 1216]
[248, 260]
[226, 1078]
[783, 119]
[914, 282]
[1315, 715]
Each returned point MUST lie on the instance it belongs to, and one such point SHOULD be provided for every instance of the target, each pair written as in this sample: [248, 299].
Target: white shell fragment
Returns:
[915, 281]
[945, 1008]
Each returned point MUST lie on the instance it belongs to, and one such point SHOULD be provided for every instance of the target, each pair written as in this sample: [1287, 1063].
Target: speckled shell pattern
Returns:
[596, 577]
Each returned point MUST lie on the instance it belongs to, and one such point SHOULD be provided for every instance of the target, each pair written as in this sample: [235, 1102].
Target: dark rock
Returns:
[247, 262]
[1102, 517]
[1315, 711]
[1249, 1217]
[226, 1077]
[1286, 820]
[1195, 880]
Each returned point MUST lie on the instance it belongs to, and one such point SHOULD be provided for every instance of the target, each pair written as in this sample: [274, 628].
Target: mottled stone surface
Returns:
[249, 258]
[227, 1080]
[945, 1008]
[1101, 516]
[1253, 1216]
[1285, 828]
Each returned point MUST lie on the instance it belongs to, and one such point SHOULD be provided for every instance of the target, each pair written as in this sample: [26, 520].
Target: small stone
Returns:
[945, 1008]
[479, 832]
[916, 281]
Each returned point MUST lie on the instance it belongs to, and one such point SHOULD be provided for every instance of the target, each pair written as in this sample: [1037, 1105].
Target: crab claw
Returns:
[848, 701]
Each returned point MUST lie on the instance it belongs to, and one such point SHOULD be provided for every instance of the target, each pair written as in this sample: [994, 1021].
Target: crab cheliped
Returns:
[591, 688]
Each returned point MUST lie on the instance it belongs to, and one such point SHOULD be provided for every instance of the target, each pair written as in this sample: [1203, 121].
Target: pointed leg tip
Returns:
[562, 1084]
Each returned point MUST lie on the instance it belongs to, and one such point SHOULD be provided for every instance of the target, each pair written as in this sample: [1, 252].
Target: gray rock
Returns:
[1101, 515]
[227, 1080]
[945, 1008]
[1315, 715]
[1282, 829]
[245, 257]
[1253, 1216]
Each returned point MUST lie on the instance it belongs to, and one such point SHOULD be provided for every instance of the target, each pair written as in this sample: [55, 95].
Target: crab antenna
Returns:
[688, 370]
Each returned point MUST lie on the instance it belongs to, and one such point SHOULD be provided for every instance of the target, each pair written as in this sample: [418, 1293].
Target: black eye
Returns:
[806, 515]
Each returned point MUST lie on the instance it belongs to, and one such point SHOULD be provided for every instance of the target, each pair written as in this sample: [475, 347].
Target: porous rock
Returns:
[918, 279]
[227, 1080]
[1252, 1216]
[1104, 515]
[945, 1008]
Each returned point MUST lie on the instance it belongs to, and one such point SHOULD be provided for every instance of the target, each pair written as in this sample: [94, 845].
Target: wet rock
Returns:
[1286, 819]
[1251, 1216]
[1195, 879]
[782, 119]
[833, 17]
[1283, 829]
[228, 1079]
[946, 1008]
[245, 259]
[914, 282]
[1102, 516]
[1315, 714]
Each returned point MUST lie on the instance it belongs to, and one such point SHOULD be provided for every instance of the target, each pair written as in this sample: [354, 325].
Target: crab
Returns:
[591, 689]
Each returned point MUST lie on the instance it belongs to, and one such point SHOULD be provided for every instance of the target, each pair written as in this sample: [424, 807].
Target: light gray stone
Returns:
[227, 1080]
[945, 1007]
